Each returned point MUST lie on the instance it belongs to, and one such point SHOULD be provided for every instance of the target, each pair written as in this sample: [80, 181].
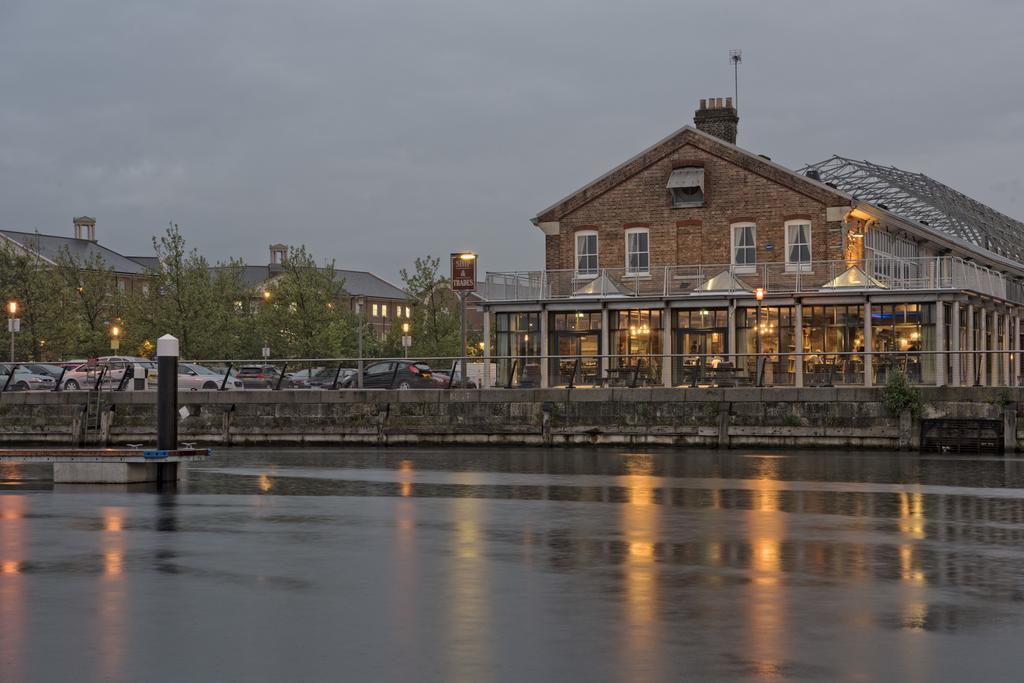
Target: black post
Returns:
[334, 384]
[636, 372]
[167, 393]
[60, 379]
[129, 372]
[451, 375]
[99, 378]
[572, 377]
[227, 376]
[280, 378]
[9, 377]
[512, 373]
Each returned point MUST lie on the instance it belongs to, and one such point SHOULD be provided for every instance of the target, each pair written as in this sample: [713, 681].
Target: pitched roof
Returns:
[49, 247]
[688, 135]
[357, 282]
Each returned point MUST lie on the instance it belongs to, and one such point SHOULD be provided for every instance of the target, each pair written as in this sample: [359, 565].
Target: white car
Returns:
[195, 377]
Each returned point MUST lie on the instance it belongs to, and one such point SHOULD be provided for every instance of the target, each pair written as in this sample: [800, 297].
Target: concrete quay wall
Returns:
[724, 418]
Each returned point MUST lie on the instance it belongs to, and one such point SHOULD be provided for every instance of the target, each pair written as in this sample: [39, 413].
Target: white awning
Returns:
[687, 177]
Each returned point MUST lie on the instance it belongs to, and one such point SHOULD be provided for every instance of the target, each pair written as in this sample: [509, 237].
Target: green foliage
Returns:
[791, 420]
[898, 396]
[435, 323]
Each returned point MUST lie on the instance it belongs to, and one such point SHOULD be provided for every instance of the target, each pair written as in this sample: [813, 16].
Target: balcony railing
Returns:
[874, 273]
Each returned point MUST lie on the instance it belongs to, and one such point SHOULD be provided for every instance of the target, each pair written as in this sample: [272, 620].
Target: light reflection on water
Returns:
[547, 565]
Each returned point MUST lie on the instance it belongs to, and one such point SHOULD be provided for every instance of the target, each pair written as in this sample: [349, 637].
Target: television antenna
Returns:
[736, 56]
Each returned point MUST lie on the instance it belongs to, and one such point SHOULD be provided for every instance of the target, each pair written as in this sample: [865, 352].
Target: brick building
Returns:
[698, 262]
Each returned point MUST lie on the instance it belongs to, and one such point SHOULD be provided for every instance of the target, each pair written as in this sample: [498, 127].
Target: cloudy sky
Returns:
[374, 131]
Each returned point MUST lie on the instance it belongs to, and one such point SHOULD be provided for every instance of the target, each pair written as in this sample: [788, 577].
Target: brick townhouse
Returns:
[699, 263]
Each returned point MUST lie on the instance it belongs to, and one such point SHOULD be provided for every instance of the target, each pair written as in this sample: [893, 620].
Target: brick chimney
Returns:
[717, 117]
[85, 228]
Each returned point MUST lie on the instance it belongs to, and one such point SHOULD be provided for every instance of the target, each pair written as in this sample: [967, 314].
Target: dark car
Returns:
[324, 377]
[444, 377]
[259, 376]
[403, 374]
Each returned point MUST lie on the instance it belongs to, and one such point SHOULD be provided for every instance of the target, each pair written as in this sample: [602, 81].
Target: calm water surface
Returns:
[525, 565]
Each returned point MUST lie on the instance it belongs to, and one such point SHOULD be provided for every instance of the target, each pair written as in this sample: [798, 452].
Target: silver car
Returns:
[24, 380]
[193, 377]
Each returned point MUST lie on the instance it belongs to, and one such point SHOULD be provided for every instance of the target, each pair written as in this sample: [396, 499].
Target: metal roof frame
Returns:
[925, 200]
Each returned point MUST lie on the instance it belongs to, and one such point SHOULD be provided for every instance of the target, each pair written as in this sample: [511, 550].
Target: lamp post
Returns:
[115, 337]
[467, 263]
[759, 295]
[13, 323]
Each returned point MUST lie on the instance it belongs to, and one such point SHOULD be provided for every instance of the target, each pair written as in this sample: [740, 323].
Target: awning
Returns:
[686, 177]
[853, 278]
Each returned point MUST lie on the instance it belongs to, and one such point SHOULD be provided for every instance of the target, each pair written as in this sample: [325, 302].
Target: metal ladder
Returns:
[93, 407]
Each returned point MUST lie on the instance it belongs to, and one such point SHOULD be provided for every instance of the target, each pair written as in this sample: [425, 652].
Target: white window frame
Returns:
[638, 273]
[742, 267]
[597, 253]
[801, 266]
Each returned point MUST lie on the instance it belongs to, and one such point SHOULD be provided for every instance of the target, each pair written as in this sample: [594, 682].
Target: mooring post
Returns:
[167, 393]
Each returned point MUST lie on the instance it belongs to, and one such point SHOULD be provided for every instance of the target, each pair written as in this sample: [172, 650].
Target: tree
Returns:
[435, 322]
[90, 302]
[31, 282]
[305, 310]
[204, 308]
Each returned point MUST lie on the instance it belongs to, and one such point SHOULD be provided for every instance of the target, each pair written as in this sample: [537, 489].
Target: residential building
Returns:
[83, 248]
[697, 262]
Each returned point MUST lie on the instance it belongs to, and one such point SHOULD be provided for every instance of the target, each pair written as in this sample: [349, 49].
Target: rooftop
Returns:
[916, 197]
[50, 246]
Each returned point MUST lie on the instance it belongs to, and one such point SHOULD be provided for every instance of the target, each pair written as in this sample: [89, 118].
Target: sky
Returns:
[376, 131]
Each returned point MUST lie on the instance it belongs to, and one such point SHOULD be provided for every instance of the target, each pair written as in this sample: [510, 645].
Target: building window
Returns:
[638, 251]
[375, 310]
[687, 186]
[586, 253]
[408, 312]
[383, 310]
[744, 247]
[798, 245]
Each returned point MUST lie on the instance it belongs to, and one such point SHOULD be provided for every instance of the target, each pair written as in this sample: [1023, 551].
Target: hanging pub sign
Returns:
[464, 272]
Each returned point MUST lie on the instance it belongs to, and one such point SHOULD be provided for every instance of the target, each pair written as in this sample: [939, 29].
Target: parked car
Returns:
[47, 369]
[383, 375]
[24, 380]
[259, 376]
[320, 378]
[194, 377]
[300, 379]
[111, 369]
[441, 377]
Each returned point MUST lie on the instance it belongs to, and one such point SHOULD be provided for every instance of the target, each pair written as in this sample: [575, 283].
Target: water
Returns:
[501, 565]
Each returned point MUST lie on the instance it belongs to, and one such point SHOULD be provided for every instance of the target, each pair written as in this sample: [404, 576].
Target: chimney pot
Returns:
[728, 102]
[703, 104]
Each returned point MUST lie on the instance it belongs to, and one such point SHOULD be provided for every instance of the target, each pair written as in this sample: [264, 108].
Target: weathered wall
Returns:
[740, 417]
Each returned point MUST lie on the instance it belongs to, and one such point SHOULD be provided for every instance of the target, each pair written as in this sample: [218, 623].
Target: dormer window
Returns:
[687, 186]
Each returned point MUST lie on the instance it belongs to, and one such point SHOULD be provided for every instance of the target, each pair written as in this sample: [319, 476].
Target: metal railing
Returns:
[873, 272]
[807, 369]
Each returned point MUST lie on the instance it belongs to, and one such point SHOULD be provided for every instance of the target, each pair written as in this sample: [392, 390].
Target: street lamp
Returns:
[406, 339]
[115, 337]
[13, 323]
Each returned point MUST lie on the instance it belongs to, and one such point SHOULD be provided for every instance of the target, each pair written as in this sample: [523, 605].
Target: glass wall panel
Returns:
[770, 333]
[575, 348]
[900, 332]
[701, 340]
[636, 341]
[833, 345]
[517, 345]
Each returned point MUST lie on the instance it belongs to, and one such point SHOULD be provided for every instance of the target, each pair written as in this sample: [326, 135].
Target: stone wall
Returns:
[740, 417]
